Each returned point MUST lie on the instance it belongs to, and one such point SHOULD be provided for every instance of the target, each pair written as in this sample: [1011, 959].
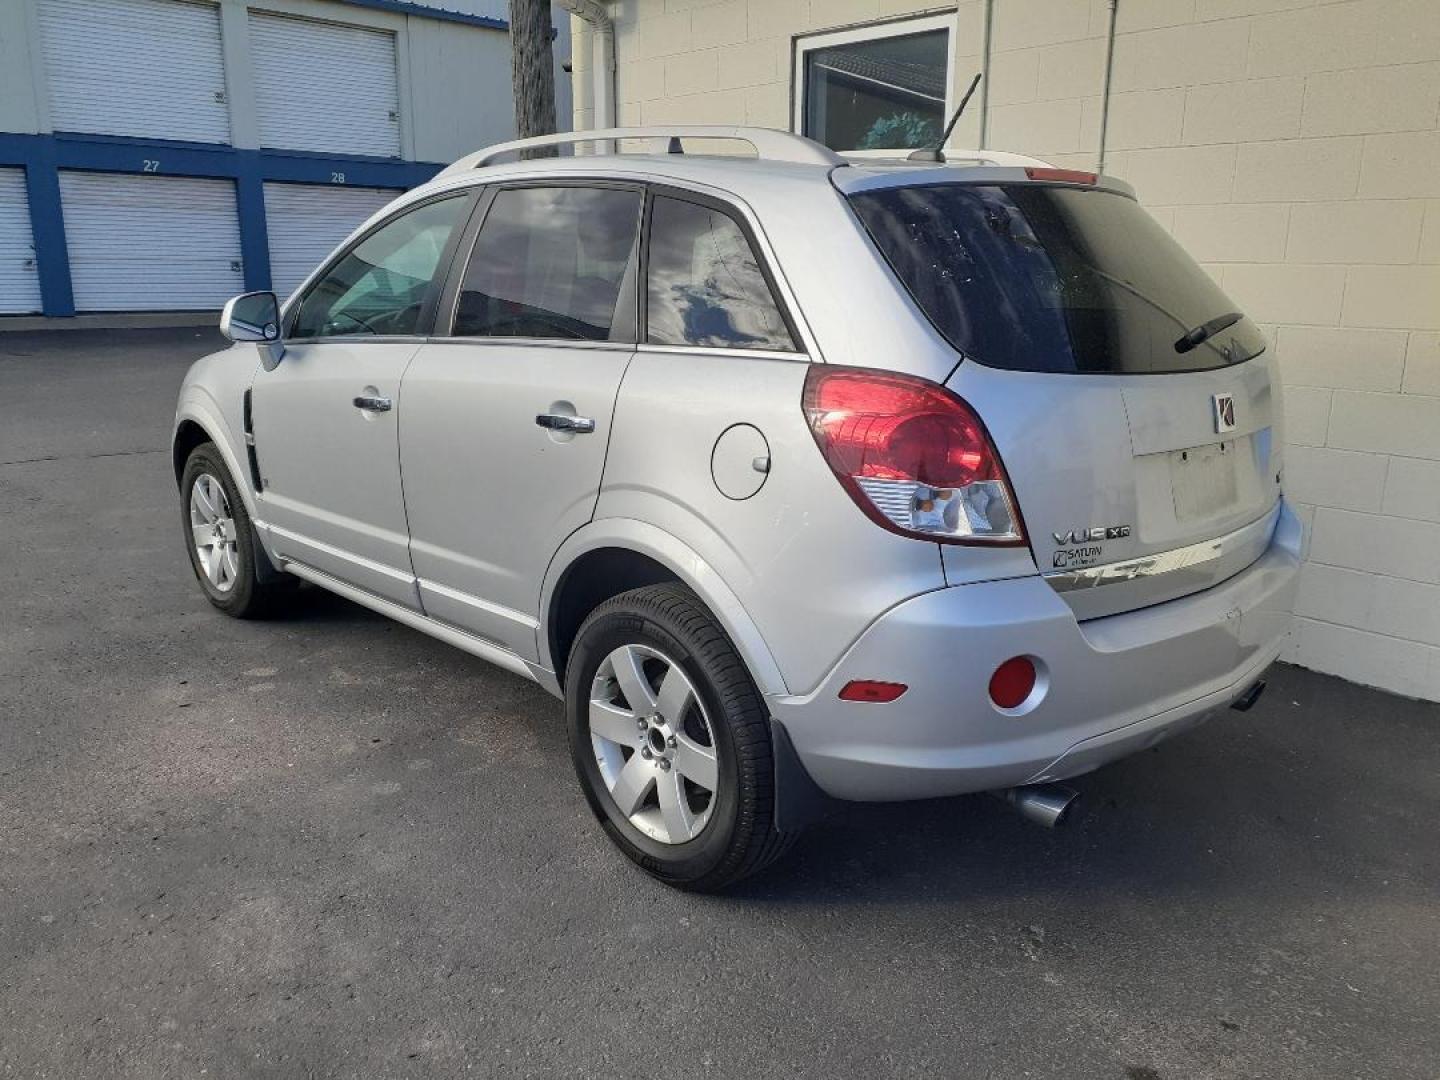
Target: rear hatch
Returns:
[1128, 397]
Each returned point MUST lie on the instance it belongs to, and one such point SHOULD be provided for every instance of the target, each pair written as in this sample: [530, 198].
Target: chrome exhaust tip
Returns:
[1044, 804]
[1246, 701]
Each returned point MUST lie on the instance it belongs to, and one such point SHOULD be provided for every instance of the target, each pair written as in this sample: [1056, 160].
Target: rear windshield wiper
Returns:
[1206, 330]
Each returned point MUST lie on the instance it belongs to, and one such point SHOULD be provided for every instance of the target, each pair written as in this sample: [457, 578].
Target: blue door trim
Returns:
[43, 156]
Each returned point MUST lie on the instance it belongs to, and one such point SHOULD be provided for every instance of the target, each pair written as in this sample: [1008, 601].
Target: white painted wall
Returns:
[19, 42]
[459, 89]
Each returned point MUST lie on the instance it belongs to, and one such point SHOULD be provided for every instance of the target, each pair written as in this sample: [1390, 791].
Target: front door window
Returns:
[380, 286]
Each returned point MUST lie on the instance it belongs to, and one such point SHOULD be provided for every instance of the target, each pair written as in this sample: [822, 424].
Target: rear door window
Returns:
[1037, 278]
[550, 262]
[706, 286]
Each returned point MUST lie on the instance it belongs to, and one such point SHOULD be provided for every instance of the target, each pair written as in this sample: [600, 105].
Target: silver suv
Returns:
[797, 478]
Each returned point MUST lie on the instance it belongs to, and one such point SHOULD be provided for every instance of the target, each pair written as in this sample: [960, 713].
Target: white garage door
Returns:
[19, 281]
[135, 67]
[324, 87]
[307, 221]
[151, 243]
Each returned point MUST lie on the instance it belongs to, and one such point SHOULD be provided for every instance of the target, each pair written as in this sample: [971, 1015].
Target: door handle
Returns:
[373, 403]
[579, 425]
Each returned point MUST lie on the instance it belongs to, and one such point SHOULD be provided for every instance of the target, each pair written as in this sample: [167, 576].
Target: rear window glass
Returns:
[1036, 278]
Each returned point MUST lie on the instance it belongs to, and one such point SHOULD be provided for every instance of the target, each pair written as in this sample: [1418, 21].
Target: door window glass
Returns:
[381, 284]
[706, 287]
[549, 263]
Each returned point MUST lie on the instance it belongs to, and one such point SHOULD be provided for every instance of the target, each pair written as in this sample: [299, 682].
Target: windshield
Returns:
[1058, 279]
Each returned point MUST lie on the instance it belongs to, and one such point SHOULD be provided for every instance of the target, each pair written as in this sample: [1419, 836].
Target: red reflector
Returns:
[1062, 176]
[1012, 682]
[871, 690]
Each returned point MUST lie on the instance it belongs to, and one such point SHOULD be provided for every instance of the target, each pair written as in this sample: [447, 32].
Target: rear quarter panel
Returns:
[809, 568]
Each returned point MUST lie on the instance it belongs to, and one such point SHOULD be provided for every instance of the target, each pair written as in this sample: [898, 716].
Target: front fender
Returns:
[213, 396]
[198, 407]
[685, 564]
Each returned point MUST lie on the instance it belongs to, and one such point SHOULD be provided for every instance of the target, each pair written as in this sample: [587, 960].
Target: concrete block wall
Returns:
[728, 61]
[1292, 145]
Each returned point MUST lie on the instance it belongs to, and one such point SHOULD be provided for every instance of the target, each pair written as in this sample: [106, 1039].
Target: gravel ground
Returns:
[329, 846]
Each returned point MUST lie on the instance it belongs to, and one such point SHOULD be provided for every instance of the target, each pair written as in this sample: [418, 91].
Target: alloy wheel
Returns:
[653, 743]
[212, 527]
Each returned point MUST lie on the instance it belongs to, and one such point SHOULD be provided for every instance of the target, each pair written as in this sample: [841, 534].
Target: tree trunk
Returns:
[532, 70]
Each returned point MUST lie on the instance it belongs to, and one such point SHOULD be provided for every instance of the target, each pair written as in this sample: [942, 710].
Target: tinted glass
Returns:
[549, 263]
[1037, 278]
[706, 286]
[878, 95]
[380, 285]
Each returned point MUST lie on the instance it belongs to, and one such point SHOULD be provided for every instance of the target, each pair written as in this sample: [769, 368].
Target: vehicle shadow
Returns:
[1280, 802]
[1274, 801]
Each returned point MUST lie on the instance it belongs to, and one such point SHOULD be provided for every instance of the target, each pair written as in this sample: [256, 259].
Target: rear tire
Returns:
[671, 740]
[221, 541]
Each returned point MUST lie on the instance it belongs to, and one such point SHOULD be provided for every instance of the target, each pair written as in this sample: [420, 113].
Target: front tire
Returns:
[671, 740]
[221, 541]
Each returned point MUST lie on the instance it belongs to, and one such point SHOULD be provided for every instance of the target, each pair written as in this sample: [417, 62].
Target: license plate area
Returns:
[1204, 481]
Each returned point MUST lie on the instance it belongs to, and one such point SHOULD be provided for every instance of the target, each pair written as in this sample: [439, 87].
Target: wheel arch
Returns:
[197, 423]
[614, 555]
[188, 435]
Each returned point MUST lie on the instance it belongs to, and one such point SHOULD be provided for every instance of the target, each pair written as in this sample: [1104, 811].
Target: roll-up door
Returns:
[323, 87]
[307, 221]
[19, 280]
[135, 67]
[151, 243]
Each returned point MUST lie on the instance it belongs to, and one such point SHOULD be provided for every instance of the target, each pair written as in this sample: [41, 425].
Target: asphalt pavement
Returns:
[328, 846]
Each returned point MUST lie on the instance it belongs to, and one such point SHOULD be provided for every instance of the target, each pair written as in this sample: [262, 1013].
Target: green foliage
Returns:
[906, 131]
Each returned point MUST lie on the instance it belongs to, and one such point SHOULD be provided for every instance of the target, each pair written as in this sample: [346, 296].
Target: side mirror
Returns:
[255, 317]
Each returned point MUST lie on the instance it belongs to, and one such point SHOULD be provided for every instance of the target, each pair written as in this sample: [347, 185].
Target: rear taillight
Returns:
[912, 455]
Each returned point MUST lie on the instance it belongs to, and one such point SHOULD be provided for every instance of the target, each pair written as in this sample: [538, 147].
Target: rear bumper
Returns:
[1109, 686]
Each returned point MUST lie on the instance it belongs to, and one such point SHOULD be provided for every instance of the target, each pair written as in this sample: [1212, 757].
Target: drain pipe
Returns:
[1105, 91]
[602, 62]
[985, 37]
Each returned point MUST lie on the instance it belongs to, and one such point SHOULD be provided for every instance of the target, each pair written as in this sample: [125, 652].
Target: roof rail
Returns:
[769, 144]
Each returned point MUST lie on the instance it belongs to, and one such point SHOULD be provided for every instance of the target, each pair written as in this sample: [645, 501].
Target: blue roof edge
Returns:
[424, 11]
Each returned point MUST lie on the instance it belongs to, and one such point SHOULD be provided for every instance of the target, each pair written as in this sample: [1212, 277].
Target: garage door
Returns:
[319, 86]
[19, 281]
[306, 222]
[151, 243]
[135, 67]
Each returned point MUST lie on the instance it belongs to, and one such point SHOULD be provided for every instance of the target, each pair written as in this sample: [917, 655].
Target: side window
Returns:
[706, 286]
[549, 263]
[380, 285]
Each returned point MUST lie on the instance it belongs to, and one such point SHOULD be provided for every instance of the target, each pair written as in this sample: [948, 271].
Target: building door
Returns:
[135, 67]
[306, 222]
[325, 87]
[151, 243]
[19, 279]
